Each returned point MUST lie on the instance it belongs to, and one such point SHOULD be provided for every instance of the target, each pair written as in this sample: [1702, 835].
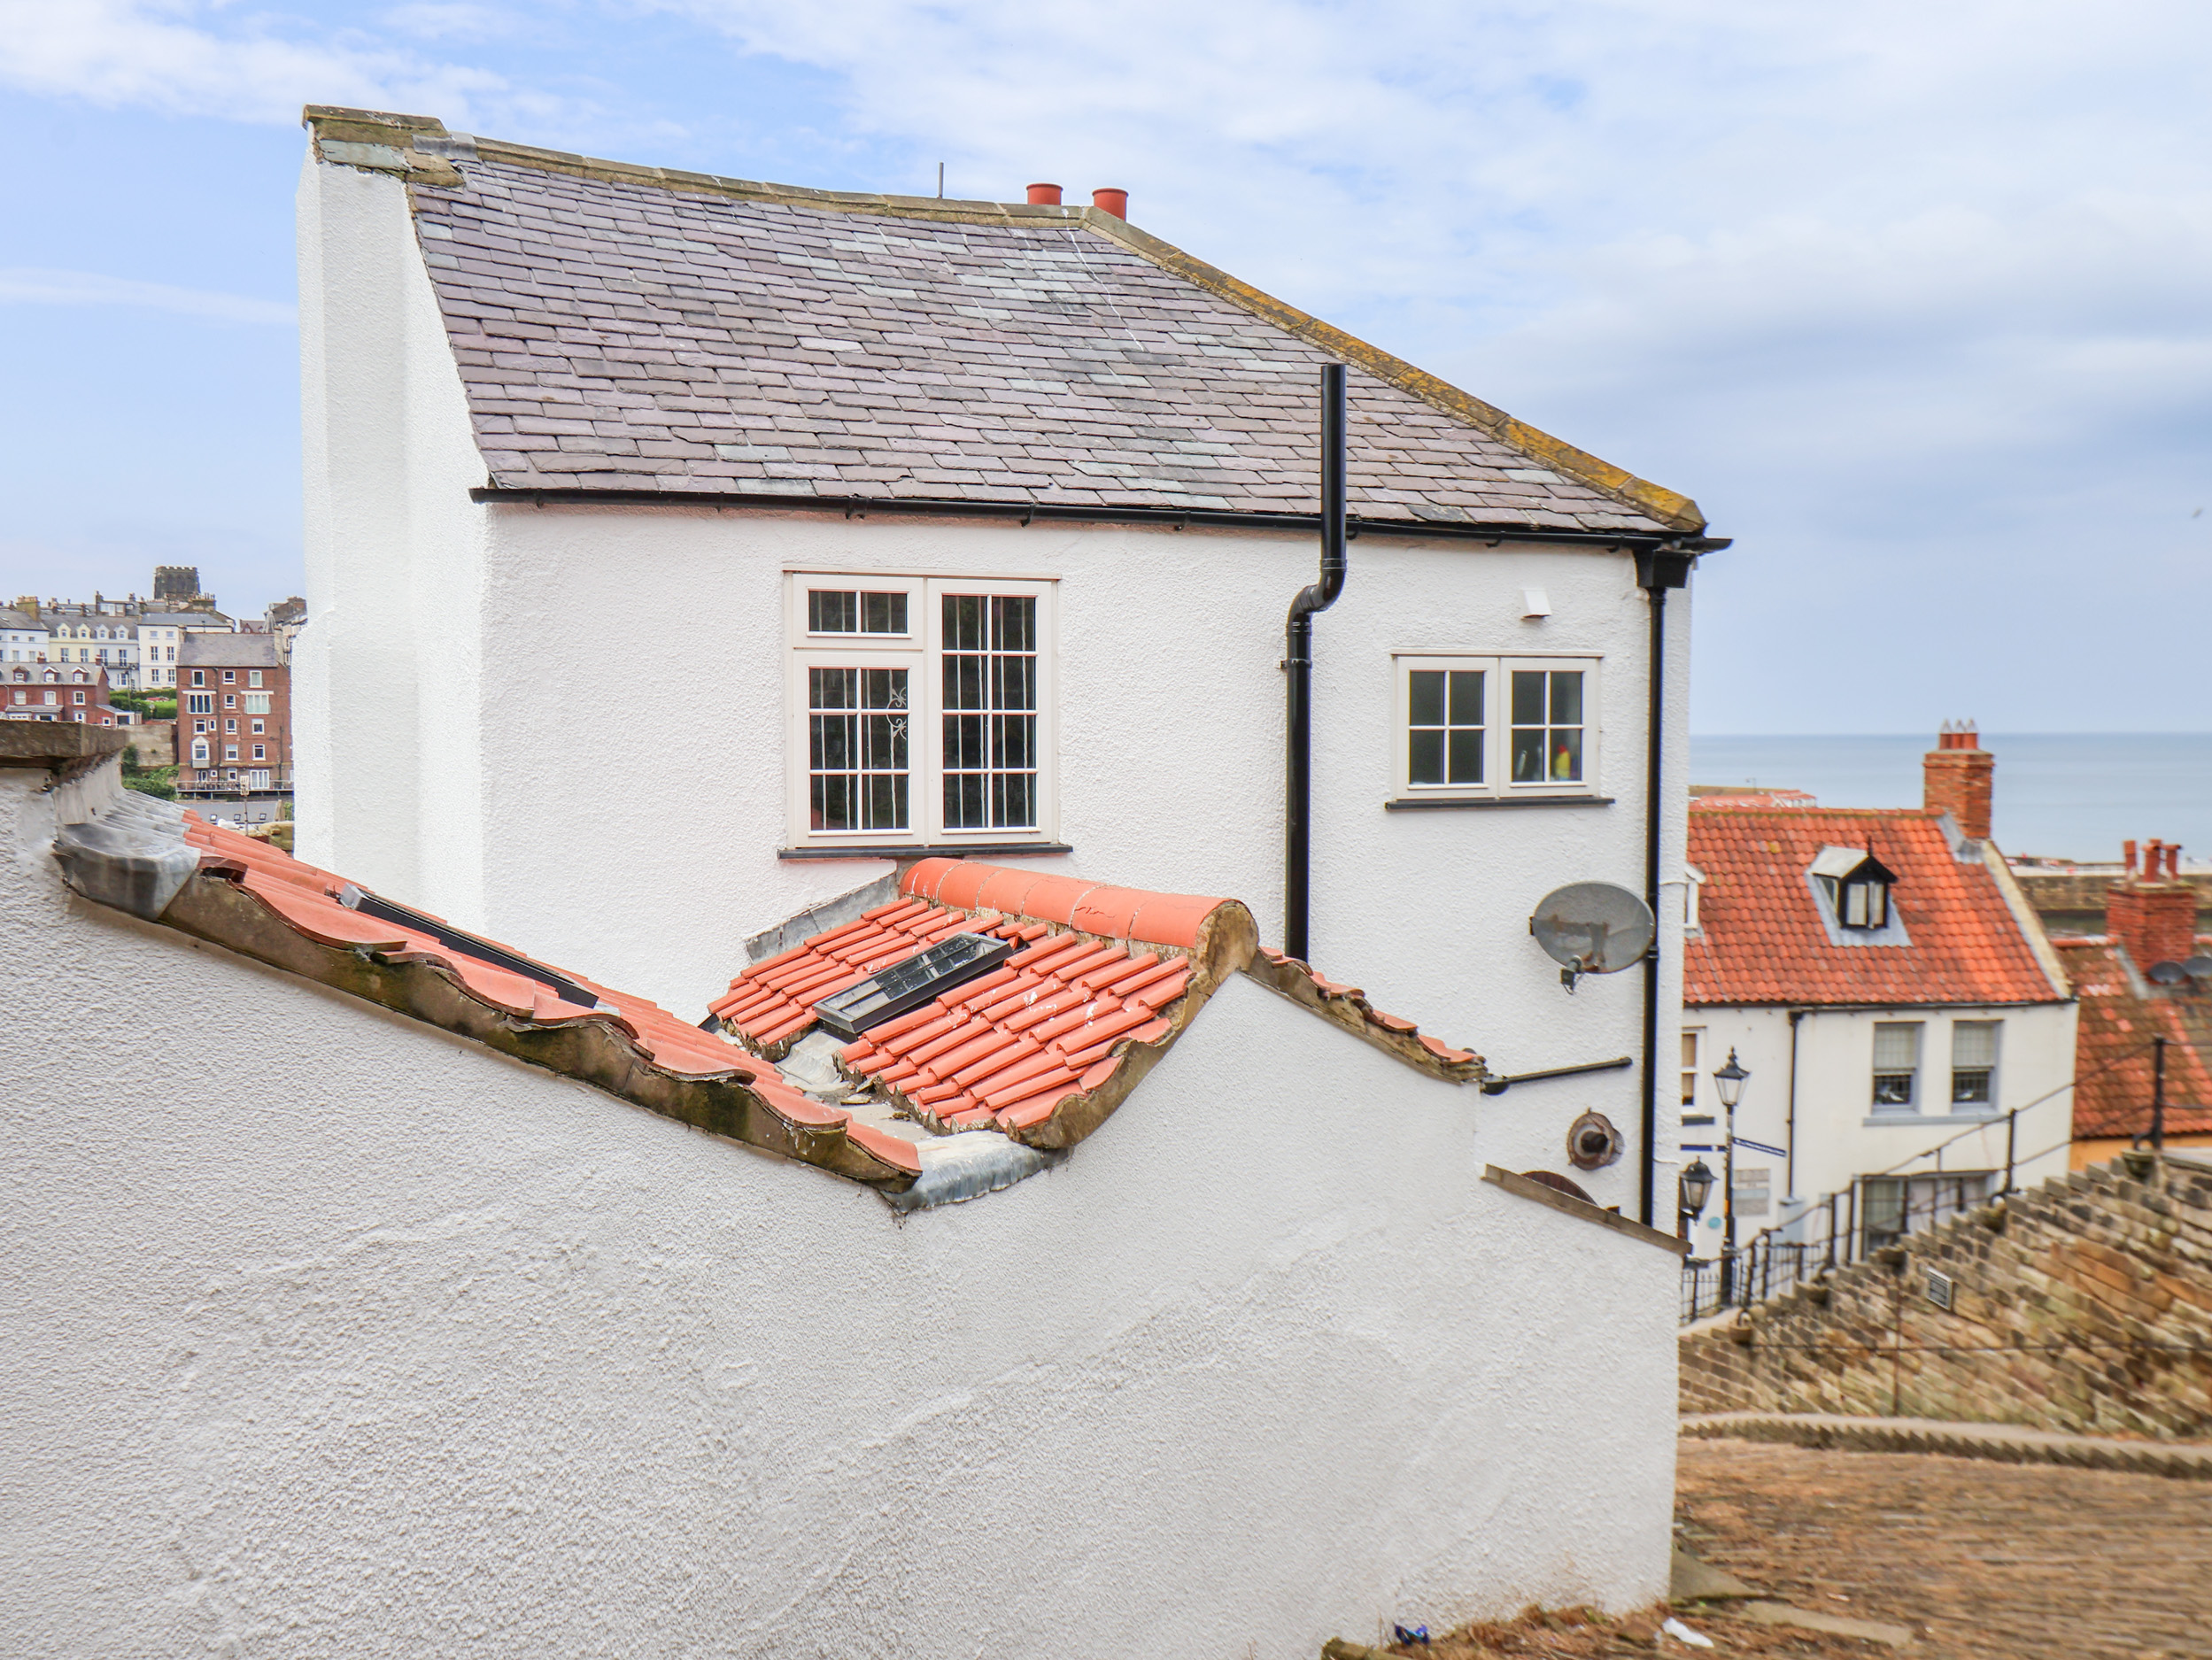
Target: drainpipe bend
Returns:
[1298, 671]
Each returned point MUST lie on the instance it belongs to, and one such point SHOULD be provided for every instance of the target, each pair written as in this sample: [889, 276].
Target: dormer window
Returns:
[1856, 885]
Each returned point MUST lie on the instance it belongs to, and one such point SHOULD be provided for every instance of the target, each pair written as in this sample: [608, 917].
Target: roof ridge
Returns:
[386, 143]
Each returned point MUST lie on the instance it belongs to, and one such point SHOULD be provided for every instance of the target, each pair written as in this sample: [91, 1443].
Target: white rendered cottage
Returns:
[919, 527]
[1896, 1000]
[417, 1336]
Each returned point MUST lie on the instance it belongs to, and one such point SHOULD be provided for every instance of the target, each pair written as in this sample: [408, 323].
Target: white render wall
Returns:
[387, 1345]
[456, 752]
[1837, 1137]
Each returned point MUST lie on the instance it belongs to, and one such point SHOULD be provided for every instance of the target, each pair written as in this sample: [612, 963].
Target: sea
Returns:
[2059, 795]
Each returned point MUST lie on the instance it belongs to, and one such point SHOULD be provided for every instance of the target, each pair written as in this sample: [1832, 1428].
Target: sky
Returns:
[1915, 298]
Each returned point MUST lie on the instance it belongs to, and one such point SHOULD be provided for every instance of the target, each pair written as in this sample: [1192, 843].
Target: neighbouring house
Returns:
[234, 714]
[488, 1304]
[2148, 977]
[982, 521]
[1890, 991]
[24, 636]
[50, 691]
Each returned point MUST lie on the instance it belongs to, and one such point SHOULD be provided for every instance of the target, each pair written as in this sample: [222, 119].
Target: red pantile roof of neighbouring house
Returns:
[624, 1044]
[632, 328]
[2120, 1014]
[1749, 797]
[1763, 940]
[1044, 1045]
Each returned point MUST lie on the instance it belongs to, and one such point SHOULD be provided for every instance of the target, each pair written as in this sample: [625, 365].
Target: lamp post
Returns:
[1693, 1188]
[1728, 1081]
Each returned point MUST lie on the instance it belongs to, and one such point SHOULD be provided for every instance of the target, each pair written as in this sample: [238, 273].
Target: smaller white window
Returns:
[1895, 1064]
[1693, 1040]
[1474, 728]
[1974, 1062]
[230, 751]
[253, 676]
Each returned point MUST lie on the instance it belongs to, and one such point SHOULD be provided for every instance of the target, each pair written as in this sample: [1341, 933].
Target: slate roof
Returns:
[229, 651]
[2120, 1012]
[1763, 941]
[627, 328]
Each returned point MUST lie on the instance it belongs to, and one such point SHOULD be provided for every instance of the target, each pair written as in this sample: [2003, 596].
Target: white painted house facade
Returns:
[1042, 477]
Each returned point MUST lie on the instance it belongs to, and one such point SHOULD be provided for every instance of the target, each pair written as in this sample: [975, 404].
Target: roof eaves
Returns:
[385, 143]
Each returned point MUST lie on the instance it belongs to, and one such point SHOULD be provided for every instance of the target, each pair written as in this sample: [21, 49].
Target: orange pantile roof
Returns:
[2120, 1014]
[656, 1055]
[1043, 1046]
[1764, 942]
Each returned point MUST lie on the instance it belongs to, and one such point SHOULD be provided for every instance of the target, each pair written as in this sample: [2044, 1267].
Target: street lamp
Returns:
[1728, 1082]
[1694, 1187]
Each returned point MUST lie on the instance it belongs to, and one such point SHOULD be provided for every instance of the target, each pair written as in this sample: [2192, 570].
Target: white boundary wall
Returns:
[376, 1343]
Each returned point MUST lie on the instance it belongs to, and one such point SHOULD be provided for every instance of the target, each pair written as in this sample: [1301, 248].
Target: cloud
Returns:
[170, 57]
[33, 287]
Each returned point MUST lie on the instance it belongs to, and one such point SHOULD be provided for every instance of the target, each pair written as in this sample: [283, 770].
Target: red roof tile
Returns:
[664, 1054]
[1043, 1046]
[2112, 1048]
[1764, 940]
[1348, 1006]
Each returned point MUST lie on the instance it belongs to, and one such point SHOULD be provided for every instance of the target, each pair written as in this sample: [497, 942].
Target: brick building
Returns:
[56, 691]
[2147, 977]
[234, 714]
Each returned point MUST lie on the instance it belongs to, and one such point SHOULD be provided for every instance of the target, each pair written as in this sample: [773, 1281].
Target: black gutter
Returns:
[1657, 571]
[1298, 671]
[468, 945]
[1492, 532]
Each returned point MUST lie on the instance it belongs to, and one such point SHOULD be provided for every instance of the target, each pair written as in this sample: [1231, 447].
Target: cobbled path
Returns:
[2011, 1562]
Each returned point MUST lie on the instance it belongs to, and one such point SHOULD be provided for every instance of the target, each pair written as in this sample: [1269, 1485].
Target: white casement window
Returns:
[1477, 728]
[261, 752]
[1896, 1065]
[1974, 1062]
[253, 676]
[920, 710]
[1693, 1040]
[200, 752]
[257, 702]
[230, 751]
[261, 727]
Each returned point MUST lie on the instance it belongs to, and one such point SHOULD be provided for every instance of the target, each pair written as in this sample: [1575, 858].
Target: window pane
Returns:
[1896, 1046]
[856, 749]
[1529, 755]
[1425, 760]
[1969, 1086]
[990, 663]
[1527, 697]
[1893, 1089]
[883, 614]
[1567, 756]
[1425, 696]
[1974, 1043]
[1466, 755]
[1567, 698]
[1855, 904]
[1466, 696]
[829, 612]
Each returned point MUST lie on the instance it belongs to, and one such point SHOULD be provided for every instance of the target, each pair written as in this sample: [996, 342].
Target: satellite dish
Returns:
[2198, 967]
[2166, 974]
[1592, 928]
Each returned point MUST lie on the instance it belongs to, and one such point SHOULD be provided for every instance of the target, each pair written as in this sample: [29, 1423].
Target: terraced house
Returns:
[983, 523]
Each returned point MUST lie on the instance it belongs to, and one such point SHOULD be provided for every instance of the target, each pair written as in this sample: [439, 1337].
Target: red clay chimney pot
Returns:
[1044, 196]
[1111, 201]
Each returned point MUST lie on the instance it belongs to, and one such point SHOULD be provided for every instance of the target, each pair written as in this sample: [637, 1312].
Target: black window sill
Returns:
[910, 850]
[1415, 803]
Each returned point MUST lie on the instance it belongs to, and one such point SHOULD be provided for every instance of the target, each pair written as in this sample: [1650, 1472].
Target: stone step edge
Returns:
[2006, 1443]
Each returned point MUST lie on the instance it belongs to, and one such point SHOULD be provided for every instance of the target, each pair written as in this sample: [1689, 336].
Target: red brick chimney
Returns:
[2152, 911]
[1959, 773]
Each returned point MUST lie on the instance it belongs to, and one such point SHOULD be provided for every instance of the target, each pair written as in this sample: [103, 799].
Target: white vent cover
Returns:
[1939, 1289]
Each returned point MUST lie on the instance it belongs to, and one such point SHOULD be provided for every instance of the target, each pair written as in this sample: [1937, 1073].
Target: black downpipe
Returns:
[1298, 671]
[1657, 571]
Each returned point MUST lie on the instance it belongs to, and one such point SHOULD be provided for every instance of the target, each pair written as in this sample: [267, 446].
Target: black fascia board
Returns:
[1028, 512]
